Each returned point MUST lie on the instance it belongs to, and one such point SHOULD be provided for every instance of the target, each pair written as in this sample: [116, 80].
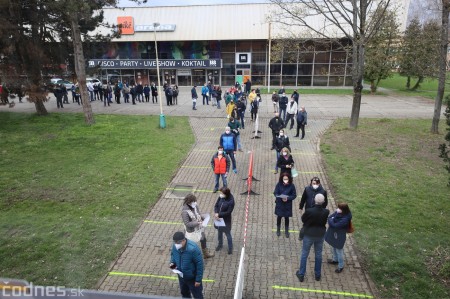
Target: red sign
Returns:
[126, 25]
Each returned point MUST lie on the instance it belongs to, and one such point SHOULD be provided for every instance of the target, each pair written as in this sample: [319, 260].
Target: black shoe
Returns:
[330, 261]
[286, 233]
[219, 247]
[339, 270]
[318, 278]
[215, 191]
[272, 148]
[230, 251]
[301, 278]
[278, 233]
[296, 136]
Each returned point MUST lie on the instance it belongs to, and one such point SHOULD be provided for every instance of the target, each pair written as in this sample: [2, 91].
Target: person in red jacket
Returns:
[220, 164]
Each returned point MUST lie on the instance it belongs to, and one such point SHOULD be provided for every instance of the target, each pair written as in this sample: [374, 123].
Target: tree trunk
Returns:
[417, 85]
[80, 70]
[408, 82]
[373, 87]
[357, 77]
[40, 107]
[442, 67]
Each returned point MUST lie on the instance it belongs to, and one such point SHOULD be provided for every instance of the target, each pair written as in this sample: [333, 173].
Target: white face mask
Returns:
[178, 246]
[220, 152]
[227, 131]
[286, 181]
[339, 210]
[221, 195]
[315, 186]
[284, 153]
[194, 204]
[281, 134]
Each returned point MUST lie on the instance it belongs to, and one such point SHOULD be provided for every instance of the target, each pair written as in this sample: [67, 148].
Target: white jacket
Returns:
[293, 109]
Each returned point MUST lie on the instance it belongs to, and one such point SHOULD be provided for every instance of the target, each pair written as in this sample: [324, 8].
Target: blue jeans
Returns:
[227, 232]
[224, 180]
[338, 255]
[233, 160]
[241, 116]
[238, 139]
[187, 288]
[276, 162]
[218, 103]
[283, 114]
[318, 246]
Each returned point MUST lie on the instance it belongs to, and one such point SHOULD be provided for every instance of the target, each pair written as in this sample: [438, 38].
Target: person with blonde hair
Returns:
[285, 161]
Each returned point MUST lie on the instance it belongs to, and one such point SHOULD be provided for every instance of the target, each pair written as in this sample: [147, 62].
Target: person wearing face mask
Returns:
[220, 164]
[235, 125]
[284, 194]
[223, 208]
[281, 142]
[285, 161]
[310, 193]
[240, 111]
[291, 112]
[336, 235]
[186, 257]
[302, 119]
[283, 106]
[229, 143]
[231, 109]
[275, 124]
[192, 220]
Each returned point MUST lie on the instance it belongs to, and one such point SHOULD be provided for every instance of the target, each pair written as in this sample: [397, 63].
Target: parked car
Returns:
[66, 83]
[94, 81]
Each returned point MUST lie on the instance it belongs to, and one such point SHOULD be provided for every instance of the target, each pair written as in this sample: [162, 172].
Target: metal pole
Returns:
[270, 51]
[162, 122]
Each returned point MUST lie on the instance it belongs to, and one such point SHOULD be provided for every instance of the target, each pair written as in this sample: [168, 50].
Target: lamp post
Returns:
[270, 53]
[162, 119]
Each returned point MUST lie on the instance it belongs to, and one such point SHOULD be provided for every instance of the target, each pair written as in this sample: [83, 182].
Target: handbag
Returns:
[294, 172]
[195, 236]
[301, 235]
[350, 228]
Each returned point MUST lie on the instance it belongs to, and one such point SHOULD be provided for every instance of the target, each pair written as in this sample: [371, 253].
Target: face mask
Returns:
[315, 186]
[284, 154]
[281, 134]
[221, 195]
[286, 181]
[178, 246]
[194, 204]
[227, 131]
[339, 210]
[220, 152]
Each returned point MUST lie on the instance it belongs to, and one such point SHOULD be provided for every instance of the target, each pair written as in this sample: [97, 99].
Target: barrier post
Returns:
[256, 131]
[250, 177]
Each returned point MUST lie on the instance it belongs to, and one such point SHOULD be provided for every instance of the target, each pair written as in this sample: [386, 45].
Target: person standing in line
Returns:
[193, 220]
[100, 91]
[205, 94]
[254, 109]
[229, 144]
[291, 112]
[222, 209]
[310, 192]
[126, 93]
[285, 161]
[58, 92]
[275, 100]
[283, 106]
[154, 93]
[210, 89]
[282, 141]
[169, 94]
[275, 124]
[295, 96]
[220, 164]
[302, 120]
[117, 90]
[281, 90]
[314, 221]
[219, 96]
[139, 92]
[90, 89]
[64, 91]
[194, 97]
[284, 194]
[231, 110]
[229, 97]
[252, 95]
[147, 93]
[186, 257]
[95, 86]
[240, 108]
[134, 94]
[248, 86]
[235, 126]
[336, 235]
[73, 93]
[214, 96]
[175, 95]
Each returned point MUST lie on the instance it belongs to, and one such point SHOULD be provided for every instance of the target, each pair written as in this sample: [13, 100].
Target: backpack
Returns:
[175, 92]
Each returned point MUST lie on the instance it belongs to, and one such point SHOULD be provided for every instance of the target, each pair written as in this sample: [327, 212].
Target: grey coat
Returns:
[190, 223]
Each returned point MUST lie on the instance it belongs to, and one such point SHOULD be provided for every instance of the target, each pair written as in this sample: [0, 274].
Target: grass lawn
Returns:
[396, 186]
[330, 90]
[71, 195]
[397, 84]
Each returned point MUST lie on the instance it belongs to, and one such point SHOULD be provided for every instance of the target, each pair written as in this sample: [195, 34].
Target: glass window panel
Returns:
[290, 69]
[348, 81]
[275, 69]
[349, 70]
[228, 46]
[306, 57]
[338, 57]
[258, 57]
[274, 80]
[227, 81]
[337, 69]
[290, 57]
[243, 46]
[336, 81]
[321, 69]
[258, 69]
[228, 58]
[320, 81]
[323, 46]
[305, 69]
[228, 69]
[259, 46]
[289, 80]
[258, 80]
[322, 57]
[304, 80]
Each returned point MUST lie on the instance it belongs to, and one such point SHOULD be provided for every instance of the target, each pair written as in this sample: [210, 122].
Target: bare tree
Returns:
[355, 20]
[442, 66]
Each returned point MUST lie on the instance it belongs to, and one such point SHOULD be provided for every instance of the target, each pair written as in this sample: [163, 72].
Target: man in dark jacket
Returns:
[229, 144]
[275, 124]
[220, 164]
[194, 97]
[169, 94]
[139, 92]
[314, 221]
[302, 119]
[240, 105]
[283, 106]
[310, 193]
[58, 91]
[187, 258]
[248, 86]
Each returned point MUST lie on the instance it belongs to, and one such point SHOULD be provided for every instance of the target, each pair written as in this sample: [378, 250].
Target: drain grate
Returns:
[179, 191]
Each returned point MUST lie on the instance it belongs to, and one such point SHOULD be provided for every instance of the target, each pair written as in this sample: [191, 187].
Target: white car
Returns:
[94, 81]
[66, 83]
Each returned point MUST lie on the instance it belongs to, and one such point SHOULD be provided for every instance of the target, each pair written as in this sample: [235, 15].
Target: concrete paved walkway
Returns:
[271, 261]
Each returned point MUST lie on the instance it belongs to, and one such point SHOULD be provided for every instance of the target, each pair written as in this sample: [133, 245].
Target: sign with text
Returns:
[160, 28]
[151, 63]
[126, 25]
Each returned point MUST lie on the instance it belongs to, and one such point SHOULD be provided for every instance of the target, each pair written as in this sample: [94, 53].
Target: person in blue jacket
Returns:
[229, 143]
[284, 194]
[338, 224]
[187, 258]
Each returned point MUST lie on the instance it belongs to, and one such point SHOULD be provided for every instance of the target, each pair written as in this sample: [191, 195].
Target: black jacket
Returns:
[276, 124]
[282, 141]
[282, 162]
[283, 102]
[224, 207]
[314, 221]
[308, 195]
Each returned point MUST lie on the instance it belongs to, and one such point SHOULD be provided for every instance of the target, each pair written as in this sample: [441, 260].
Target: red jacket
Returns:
[220, 165]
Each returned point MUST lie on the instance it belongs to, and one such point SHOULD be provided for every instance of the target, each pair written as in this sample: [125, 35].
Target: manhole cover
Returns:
[179, 191]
